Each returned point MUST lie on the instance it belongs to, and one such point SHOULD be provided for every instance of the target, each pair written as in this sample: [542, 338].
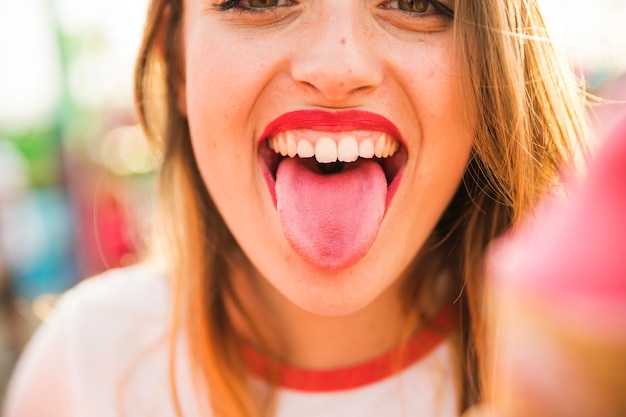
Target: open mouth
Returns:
[328, 153]
[332, 177]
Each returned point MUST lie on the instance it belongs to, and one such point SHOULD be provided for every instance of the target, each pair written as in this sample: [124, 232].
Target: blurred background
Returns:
[76, 175]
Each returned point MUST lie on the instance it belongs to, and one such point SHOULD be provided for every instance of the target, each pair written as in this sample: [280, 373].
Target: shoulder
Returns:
[114, 314]
[104, 348]
[115, 325]
[140, 292]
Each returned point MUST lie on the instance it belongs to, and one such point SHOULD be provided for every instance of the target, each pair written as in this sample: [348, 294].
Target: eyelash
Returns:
[236, 5]
[439, 7]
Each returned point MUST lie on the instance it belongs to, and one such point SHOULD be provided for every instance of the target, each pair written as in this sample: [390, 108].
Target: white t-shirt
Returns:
[105, 353]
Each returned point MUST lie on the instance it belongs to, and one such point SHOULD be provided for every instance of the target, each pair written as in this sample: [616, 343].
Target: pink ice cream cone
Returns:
[558, 310]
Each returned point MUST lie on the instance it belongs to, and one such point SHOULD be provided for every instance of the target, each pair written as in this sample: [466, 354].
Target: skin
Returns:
[243, 70]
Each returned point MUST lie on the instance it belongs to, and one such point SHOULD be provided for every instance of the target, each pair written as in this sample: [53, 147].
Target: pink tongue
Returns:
[331, 221]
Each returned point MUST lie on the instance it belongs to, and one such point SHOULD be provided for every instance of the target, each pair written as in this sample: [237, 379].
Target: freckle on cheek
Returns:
[342, 41]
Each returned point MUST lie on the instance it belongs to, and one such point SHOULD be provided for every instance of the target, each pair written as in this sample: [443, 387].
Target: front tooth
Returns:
[366, 149]
[305, 149]
[292, 149]
[325, 150]
[380, 146]
[348, 149]
[282, 145]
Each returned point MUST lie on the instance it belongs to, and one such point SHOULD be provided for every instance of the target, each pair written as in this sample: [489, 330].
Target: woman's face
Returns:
[331, 135]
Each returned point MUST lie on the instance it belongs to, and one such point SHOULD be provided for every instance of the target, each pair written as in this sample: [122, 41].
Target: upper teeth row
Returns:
[327, 149]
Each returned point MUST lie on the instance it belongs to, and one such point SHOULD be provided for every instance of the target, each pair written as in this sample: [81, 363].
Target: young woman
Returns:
[333, 171]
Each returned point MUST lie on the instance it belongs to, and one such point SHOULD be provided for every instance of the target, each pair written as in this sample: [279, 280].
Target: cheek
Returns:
[437, 89]
[446, 125]
[434, 81]
[442, 139]
[226, 72]
[217, 107]
[222, 91]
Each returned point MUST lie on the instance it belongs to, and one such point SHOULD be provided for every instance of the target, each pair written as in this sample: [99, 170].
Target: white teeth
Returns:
[366, 149]
[348, 149]
[282, 145]
[305, 149]
[394, 148]
[329, 149]
[387, 149]
[325, 150]
[292, 148]
[379, 148]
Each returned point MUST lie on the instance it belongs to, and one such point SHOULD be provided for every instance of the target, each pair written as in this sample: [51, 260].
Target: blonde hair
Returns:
[530, 125]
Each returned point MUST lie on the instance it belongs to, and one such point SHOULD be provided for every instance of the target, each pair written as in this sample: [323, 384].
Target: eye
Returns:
[263, 3]
[256, 12]
[413, 6]
[426, 16]
[251, 5]
[421, 8]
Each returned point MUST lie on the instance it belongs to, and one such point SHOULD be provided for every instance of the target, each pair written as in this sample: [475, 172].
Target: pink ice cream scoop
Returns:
[558, 302]
[574, 252]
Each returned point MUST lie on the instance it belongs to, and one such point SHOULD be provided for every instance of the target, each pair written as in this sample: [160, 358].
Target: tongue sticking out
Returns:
[331, 221]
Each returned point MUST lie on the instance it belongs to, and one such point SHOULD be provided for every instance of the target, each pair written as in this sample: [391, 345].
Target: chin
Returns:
[332, 293]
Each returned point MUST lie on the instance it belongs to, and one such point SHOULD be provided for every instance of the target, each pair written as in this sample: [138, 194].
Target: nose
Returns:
[337, 61]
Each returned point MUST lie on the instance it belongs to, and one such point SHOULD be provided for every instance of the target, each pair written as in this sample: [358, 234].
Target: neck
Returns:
[321, 342]
[326, 342]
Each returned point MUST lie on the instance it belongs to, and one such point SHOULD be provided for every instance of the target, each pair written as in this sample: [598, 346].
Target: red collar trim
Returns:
[398, 359]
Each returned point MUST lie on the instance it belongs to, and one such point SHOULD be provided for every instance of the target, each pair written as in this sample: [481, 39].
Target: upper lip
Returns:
[339, 121]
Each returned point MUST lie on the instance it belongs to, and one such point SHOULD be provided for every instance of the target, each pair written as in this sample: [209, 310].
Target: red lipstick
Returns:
[332, 122]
